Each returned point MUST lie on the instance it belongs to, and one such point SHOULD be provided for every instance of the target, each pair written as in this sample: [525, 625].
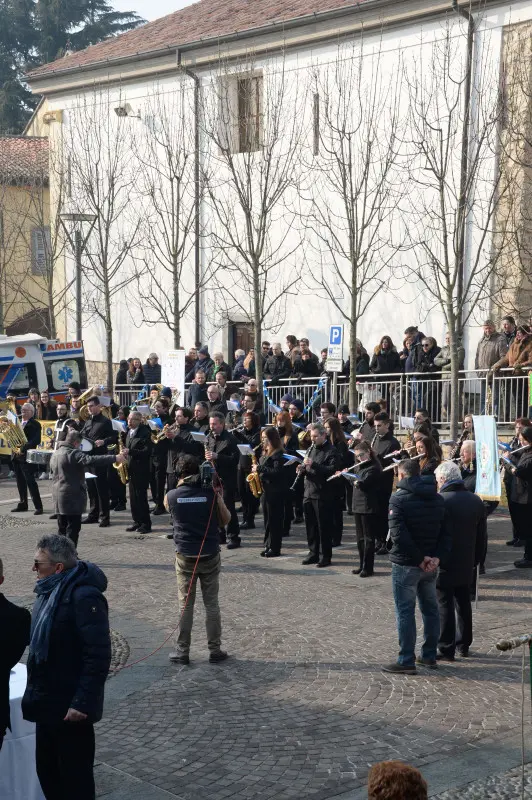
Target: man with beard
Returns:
[367, 429]
[221, 450]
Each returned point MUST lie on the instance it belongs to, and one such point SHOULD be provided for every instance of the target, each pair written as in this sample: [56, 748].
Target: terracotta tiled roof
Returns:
[23, 160]
[208, 19]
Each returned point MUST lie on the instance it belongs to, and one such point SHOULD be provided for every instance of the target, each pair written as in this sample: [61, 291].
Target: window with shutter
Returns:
[40, 250]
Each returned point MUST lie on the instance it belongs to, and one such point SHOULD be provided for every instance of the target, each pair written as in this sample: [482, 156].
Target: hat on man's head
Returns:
[287, 397]
[166, 392]
[204, 350]
[298, 404]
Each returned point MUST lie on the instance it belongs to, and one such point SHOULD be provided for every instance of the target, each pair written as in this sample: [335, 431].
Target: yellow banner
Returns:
[47, 434]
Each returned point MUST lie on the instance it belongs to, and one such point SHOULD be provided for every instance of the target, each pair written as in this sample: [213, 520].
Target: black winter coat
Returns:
[521, 486]
[251, 438]
[32, 432]
[367, 491]
[277, 367]
[385, 362]
[204, 365]
[308, 368]
[465, 521]
[196, 393]
[416, 522]
[424, 361]
[140, 447]
[79, 655]
[152, 374]
[325, 462]
[225, 446]
[15, 628]
[183, 444]
[383, 446]
[99, 427]
[274, 477]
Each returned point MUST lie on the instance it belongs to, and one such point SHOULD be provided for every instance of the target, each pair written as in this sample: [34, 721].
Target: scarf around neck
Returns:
[49, 592]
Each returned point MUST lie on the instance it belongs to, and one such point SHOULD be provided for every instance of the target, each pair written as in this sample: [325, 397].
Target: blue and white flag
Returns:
[487, 452]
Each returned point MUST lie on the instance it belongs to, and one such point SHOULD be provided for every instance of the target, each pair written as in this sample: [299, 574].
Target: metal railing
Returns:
[506, 393]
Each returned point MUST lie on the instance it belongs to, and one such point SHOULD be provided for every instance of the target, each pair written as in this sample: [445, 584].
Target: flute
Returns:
[395, 453]
[348, 469]
[393, 466]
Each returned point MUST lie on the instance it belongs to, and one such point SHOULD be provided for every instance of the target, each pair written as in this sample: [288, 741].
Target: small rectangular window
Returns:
[249, 93]
[40, 250]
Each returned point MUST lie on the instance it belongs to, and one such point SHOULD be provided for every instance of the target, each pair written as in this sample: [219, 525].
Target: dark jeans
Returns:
[298, 498]
[138, 500]
[454, 636]
[273, 508]
[233, 529]
[98, 489]
[409, 583]
[171, 480]
[319, 525]
[64, 754]
[69, 525]
[366, 526]
[25, 475]
[521, 515]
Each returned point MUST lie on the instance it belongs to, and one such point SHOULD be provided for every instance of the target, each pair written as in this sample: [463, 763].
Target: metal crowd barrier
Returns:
[506, 394]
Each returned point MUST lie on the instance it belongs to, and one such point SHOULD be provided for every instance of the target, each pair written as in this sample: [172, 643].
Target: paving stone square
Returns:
[301, 709]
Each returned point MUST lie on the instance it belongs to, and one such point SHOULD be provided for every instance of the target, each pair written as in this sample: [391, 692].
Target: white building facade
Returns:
[255, 124]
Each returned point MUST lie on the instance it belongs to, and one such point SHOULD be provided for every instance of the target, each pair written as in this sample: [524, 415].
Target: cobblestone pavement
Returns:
[301, 710]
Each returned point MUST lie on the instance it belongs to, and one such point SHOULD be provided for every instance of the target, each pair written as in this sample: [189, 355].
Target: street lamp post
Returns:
[78, 245]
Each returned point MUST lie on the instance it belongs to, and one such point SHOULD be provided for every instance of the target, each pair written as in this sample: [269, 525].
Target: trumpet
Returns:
[158, 437]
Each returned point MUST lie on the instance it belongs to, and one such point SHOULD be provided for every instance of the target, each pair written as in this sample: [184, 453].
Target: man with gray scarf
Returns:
[68, 663]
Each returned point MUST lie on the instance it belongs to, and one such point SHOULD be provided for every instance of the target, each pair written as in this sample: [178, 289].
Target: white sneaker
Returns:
[43, 476]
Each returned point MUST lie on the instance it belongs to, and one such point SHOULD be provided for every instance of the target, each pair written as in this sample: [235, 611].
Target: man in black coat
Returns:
[198, 390]
[24, 472]
[221, 450]
[277, 366]
[321, 462]
[69, 489]
[465, 519]
[15, 628]
[180, 442]
[138, 452]
[384, 443]
[68, 663]
[420, 540]
[99, 429]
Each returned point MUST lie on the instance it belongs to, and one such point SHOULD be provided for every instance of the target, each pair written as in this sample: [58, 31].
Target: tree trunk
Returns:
[257, 327]
[108, 339]
[2, 327]
[455, 385]
[176, 309]
[353, 403]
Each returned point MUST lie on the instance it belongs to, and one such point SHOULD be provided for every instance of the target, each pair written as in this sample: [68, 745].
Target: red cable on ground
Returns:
[172, 633]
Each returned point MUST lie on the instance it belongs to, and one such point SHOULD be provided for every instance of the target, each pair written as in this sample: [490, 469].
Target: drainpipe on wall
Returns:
[464, 160]
[197, 201]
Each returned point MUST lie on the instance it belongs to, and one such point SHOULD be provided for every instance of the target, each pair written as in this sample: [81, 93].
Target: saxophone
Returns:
[123, 473]
[253, 479]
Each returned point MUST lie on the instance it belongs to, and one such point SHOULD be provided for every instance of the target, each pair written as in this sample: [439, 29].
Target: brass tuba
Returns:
[253, 479]
[83, 399]
[13, 434]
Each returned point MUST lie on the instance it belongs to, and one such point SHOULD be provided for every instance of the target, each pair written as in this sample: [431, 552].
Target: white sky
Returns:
[150, 9]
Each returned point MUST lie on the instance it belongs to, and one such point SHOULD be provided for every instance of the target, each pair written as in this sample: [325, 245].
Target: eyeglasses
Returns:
[42, 563]
[425, 346]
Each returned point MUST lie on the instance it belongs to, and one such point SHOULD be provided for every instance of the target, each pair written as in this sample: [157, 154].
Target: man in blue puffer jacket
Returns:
[420, 541]
[68, 663]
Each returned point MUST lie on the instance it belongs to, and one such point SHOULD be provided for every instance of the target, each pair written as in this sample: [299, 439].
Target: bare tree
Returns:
[254, 129]
[104, 180]
[349, 204]
[167, 177]
[456, 185]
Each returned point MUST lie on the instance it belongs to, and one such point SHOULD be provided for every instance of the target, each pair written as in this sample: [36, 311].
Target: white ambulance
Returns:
[32, 361]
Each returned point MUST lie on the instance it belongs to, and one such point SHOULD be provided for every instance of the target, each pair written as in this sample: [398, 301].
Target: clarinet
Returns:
[301, 475]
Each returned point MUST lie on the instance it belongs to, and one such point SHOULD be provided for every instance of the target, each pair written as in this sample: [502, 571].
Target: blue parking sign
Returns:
[335, 335]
